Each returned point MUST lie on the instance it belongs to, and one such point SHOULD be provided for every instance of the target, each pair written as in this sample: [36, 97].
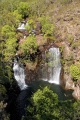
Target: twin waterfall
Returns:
[50, 71]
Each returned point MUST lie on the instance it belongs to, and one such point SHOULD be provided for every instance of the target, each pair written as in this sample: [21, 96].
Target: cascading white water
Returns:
[21, 27]
[53, 69]
[19, 75]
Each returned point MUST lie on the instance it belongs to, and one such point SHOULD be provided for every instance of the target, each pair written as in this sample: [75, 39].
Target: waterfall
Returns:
[19, 75]
[52, 68]
[21, 26]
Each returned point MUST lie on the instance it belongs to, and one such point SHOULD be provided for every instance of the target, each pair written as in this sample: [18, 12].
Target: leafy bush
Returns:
[29, 46]
[17, 16]
[45, 105]
[24, 9]
[10, 49]
[30, 26]
[7, 31]
[75, 71]
[76, 110]
[47, 27]
[38, 7]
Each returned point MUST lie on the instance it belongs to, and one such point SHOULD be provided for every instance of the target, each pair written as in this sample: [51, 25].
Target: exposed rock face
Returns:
[69, 84]
[76, 93]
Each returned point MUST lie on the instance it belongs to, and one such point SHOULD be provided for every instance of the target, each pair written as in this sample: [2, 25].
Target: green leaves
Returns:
[29, 46]
[45, 103]
[24, 9]
[75, 71]
[10, 42]
[47, 27]
[10, 49]
[76, 112]
[8, 31]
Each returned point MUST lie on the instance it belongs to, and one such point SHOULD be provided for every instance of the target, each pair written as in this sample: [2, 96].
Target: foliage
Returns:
[7, 13]
[75, 44]
[47, 27]
[18, 18]
[75, 71]
[30, 26]
[45, 105]
[66, 110]
[10, 49]
[76, 110]
[2, 89]
[24, 9]
[66, 1]
[38, 7]
[29, 46]
[8, 31]
[10, 43]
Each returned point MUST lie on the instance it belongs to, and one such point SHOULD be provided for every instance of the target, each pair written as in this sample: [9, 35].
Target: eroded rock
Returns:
[76, 93]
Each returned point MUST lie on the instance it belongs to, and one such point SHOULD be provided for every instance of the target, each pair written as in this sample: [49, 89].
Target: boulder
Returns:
[69, 84]
[76, 93]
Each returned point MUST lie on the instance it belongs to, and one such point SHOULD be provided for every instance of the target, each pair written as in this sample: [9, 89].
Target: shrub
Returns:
[75, 71]
[24, 9]
[29, 46]
[47, 27]
[10, 49]
[38, 7]
[45, 105]
[7, 31]
[31, 25]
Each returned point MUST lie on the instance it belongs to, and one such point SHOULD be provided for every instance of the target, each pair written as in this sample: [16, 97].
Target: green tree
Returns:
[29, 46]
[24, 9]
[76, 110]
[66, 110]
[10, 49]
[8, 31]
[75, 71]
[30, 26]
[47, 27]
[45, 105]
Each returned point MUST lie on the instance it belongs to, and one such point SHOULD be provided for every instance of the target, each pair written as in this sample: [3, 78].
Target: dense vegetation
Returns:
[47, 106]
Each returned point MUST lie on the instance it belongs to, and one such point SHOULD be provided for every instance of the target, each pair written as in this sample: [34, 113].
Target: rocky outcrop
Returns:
[69, 84]
[76, 93]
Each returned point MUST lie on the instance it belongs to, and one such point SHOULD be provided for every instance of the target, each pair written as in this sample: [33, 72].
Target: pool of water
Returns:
[62, 94]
